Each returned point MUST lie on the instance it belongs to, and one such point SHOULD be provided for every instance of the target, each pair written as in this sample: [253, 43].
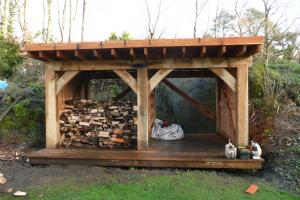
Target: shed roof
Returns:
[154, 49]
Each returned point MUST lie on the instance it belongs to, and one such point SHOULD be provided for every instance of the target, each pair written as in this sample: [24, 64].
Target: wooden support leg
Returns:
[65, 79]
[223, 74]
[143, 108]
[52, 132]
[152, 111]
[242, 106]
[218, 100]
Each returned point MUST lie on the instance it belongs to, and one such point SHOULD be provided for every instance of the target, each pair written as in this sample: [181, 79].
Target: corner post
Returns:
[52, 133]
[242, 106]
[143, 108]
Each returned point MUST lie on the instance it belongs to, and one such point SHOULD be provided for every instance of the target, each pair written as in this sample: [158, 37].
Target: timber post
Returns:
[242, 106]
[143, 108]
[52, 132]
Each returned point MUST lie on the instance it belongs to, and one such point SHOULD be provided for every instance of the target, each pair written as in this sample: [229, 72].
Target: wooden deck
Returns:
[195, 151]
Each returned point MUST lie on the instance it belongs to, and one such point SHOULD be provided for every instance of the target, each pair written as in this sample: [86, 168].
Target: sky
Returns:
[106, 16]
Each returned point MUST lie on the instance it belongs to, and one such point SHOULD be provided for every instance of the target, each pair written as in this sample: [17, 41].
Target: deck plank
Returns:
[195, 151]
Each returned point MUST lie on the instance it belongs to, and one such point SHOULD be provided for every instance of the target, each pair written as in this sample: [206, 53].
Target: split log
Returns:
[92, 124]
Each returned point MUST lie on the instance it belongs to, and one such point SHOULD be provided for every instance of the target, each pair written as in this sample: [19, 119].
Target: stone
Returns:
[2, 180]
[20, 194]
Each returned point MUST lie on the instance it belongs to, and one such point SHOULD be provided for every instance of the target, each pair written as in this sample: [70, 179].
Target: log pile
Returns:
[86, 123]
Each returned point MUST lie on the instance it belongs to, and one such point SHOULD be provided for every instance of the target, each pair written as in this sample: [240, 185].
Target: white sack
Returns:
[172, 132]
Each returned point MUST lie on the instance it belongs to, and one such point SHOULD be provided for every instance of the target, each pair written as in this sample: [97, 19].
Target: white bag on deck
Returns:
[172, 132]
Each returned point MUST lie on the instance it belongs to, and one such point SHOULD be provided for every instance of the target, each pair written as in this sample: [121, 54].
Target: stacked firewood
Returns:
[86, 123]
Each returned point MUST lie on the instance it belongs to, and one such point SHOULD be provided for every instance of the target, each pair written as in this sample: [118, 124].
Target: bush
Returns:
[10, 57]
[270, 88]
[28, 116]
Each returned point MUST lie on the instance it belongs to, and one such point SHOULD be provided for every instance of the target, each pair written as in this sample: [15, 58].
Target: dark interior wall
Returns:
[172, 107]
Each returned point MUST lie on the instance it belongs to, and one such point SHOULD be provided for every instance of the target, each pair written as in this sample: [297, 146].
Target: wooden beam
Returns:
[52, 126]
[241, 50]
[62, 55]
[33, 54]
[127, 78]
[242, 106]
[146, 54]
[253, 49]
[221, 51]
[218, 101]
[151, 111]
[223, 74]
[44, 56]
[165, 52]
[183, 51]
[196, 42]
[193, 102]
[97, 54]
[64, 80]
[122, 94]
[158, 77]
[143, 108]
[202, 51]
[114, 54]
[132, 53]
[80, 55]
[169, 63]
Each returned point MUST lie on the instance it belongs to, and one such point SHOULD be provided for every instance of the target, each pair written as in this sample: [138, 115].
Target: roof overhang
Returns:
[146, 49]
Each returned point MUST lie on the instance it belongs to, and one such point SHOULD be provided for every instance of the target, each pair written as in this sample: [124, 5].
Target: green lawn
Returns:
[185, 185]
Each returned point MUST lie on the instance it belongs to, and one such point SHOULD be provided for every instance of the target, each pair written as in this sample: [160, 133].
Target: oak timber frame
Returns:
[232, 92]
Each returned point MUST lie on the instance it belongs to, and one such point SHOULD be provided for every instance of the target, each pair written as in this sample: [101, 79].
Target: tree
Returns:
[83, 18]
[272, 28]
[22, 19]
[125, 36]
[72, 18]
[198, 10]
[238, 14]
[114, 36]
[152, 22]
[216, 17]
[223, 24]
[10, 57]
[4, 16]
[48, 29]
[11, 18]
[43, 32]
[61, 19]
[252, 22]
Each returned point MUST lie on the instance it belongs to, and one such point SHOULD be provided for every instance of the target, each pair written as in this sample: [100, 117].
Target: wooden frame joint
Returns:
[127, 78]
[223, 74]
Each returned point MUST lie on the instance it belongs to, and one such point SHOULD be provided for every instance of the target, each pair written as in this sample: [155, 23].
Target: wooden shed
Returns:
[143, 64]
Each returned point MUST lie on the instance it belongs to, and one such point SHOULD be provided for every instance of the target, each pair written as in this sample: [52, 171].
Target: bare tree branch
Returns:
[83, 18]
[198, 10]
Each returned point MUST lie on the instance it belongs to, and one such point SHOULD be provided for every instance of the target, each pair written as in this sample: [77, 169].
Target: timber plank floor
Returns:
[194, 151]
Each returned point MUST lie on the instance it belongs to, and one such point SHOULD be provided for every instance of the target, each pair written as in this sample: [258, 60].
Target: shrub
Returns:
[270, 88]
[28, 117]
[10, 57]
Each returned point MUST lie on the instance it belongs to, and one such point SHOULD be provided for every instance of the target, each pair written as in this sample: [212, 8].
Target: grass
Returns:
[187, 185]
